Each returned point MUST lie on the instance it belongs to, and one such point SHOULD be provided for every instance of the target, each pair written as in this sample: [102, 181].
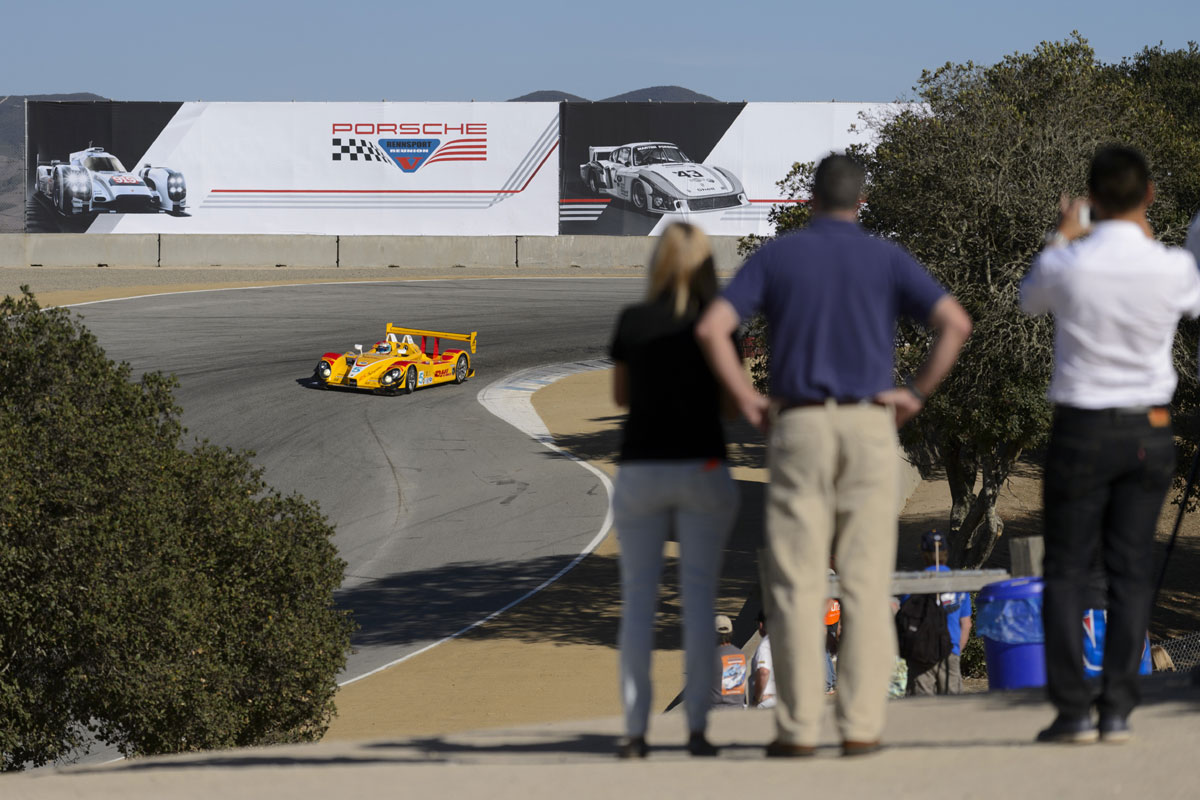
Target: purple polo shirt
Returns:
[832, 294]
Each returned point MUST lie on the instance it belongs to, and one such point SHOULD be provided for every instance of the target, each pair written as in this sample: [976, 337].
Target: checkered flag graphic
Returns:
[358, 150]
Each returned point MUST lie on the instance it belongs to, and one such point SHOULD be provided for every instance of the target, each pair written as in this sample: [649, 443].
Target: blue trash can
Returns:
[1010, 622]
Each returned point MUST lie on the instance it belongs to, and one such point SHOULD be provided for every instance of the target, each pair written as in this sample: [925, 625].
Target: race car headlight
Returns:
[175, 186]
[391, 376]
[323, 369]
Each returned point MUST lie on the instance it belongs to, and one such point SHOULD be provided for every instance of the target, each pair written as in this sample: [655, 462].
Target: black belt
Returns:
[1122, 411]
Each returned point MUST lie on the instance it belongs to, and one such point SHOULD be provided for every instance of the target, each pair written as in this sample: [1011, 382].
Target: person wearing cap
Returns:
[832, 295]
[944, 677]
[731, 683]
[1117, 296]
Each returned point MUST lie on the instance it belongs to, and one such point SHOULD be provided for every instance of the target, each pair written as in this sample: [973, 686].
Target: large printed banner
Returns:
[324, 168]
[629, 168]
[481, 169]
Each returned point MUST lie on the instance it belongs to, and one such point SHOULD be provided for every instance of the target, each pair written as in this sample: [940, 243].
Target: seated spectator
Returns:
[762, 673]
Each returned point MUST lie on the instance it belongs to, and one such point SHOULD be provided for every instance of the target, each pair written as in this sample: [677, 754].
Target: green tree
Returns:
[152, 596]
[968, 179]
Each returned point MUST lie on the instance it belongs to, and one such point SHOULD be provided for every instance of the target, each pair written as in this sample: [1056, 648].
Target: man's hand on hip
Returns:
[906, 404]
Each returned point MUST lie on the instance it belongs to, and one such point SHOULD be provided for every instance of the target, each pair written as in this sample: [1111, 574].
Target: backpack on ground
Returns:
[921, 630]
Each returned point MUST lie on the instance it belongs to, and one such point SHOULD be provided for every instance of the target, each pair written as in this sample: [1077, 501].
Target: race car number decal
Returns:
[128, 180]
[689, 173]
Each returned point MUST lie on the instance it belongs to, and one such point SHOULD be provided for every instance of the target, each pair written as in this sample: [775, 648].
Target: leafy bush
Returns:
[157, 598]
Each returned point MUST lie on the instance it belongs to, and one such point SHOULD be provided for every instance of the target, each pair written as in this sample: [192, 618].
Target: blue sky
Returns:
[468, 49]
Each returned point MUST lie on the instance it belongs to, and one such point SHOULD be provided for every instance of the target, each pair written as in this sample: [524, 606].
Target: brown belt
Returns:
[788, 405]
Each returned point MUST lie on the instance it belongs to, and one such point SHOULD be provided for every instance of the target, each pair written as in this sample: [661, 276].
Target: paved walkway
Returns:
[972, 746]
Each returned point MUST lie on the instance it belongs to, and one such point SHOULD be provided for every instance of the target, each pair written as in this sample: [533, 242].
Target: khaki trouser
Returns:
[944, 677]
[833, 472]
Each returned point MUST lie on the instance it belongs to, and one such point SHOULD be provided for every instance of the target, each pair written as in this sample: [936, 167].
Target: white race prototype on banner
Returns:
[95, 180]
[656, 177]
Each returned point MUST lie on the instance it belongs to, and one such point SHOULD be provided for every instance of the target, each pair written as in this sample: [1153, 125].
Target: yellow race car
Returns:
[397, 364]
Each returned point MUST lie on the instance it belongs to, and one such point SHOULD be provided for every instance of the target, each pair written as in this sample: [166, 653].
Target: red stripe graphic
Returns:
[524, 186]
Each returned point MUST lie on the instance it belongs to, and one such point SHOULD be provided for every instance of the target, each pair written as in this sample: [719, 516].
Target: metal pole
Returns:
[1187, 493]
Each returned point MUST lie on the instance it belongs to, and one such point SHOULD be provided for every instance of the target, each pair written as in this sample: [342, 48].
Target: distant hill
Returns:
[655, 94]
[661, 94]
[548, 96]
[12, 140]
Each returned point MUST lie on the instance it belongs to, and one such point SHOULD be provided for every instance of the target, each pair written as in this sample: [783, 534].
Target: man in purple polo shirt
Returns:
[832, 295]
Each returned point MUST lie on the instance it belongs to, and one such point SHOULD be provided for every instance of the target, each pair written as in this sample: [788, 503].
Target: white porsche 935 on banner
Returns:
[656, 177]
[96, 180]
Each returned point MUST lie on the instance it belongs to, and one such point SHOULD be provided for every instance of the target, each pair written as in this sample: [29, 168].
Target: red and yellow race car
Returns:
[397, 364]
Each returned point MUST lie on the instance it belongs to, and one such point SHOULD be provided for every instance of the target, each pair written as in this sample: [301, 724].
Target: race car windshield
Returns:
[658, 155]
[104, 164]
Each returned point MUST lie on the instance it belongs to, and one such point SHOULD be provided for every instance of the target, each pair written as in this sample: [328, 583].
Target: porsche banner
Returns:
[629, 168]
[451, 169]
[325, 168]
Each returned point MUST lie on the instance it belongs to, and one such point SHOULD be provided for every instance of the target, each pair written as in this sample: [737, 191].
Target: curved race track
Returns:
[444, 513]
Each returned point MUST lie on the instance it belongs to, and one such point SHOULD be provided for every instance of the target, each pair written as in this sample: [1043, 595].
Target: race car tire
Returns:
[410, 380]
[460, 370]
[639, 196]
[592, 184]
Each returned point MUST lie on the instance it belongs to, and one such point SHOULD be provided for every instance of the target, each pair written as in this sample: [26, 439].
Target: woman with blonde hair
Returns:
[672, 481]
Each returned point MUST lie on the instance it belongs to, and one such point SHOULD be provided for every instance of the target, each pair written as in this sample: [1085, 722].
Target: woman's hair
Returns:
[1160, 659]
[682, 273]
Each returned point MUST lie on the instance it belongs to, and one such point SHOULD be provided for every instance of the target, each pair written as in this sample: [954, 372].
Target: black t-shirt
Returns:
[674, 401]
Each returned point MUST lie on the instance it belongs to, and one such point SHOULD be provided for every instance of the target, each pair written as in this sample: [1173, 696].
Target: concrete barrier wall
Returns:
[216, 250]
[12, 250]
[427, 251]
[78, 250]
[601, 252]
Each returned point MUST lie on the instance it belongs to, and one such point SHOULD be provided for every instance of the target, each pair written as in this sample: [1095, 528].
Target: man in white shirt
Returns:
[1116, 297]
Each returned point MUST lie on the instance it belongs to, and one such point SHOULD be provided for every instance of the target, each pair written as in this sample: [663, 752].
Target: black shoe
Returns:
[633, 747]
[1070, 730]
[778, 749]
[1114, 729]
[698, 745]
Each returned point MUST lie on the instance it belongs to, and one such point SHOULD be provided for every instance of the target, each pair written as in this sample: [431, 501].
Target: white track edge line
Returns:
[605, 527]
[351, 283]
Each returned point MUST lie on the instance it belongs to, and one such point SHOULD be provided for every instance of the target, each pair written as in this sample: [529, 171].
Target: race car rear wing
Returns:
[396, 331]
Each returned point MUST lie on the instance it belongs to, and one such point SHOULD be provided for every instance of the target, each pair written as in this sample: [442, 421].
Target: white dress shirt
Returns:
[1116, 296]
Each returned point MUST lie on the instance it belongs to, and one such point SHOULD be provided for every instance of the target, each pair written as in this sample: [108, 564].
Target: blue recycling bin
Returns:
[1009, 621]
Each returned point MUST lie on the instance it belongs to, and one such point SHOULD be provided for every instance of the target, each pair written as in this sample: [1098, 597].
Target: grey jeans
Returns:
[696, 501]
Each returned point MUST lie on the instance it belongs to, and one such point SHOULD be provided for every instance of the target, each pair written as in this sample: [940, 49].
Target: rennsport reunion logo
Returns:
[410, 145]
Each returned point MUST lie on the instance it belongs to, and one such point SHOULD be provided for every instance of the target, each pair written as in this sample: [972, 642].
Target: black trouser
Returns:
[1107, 474]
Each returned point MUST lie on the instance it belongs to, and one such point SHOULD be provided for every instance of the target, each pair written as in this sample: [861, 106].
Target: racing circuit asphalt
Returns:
[444, 513]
